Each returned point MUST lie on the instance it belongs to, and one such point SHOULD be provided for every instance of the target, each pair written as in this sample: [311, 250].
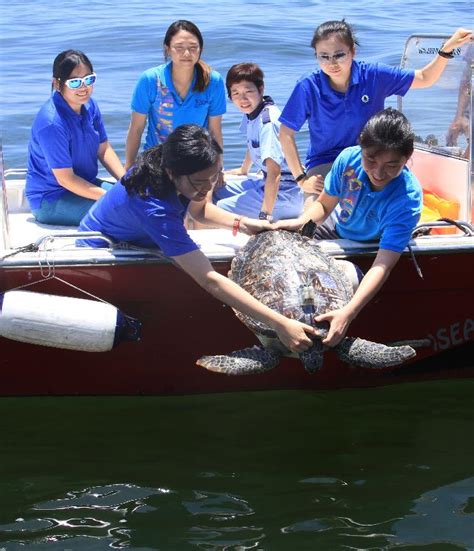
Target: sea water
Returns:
[350, 469]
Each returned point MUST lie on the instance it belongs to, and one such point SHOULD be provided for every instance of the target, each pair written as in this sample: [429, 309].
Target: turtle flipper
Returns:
[362, 353]
[313, 357]
[247, 361]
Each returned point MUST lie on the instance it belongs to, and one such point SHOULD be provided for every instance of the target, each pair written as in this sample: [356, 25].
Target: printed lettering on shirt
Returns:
[164, 126]
[199, 102]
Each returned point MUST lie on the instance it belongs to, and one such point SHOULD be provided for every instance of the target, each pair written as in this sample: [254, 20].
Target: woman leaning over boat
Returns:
[148, 206]
[339, 97]
[184, 90]
[67, 140]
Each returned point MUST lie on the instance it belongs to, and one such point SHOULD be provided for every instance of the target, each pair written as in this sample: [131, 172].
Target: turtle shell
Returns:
[291, 274]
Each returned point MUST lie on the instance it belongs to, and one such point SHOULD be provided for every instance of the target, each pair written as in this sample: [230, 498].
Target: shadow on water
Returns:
[355, 469]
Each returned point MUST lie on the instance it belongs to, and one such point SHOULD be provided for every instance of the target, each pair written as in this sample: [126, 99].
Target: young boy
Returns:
[378, 198]
[275, 195]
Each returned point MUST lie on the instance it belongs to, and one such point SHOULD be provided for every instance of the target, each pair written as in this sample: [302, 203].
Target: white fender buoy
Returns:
[64, 322]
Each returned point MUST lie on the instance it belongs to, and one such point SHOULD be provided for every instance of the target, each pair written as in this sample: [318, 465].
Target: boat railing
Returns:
[424, 228]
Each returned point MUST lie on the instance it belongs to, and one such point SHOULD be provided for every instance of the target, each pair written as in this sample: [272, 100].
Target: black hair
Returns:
[203, 71]
[188, 149]
[388, 130]
[65, 63]
[244, 71]
[341, 28]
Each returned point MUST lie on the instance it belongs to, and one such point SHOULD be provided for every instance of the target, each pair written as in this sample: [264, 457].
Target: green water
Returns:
[356, 469]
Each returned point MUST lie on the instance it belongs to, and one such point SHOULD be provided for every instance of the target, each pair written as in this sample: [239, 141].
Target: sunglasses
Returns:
[75, 83]
[324, 59]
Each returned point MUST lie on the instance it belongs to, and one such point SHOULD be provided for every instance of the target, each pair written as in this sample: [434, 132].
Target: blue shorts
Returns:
[245, 197]
[68, 210]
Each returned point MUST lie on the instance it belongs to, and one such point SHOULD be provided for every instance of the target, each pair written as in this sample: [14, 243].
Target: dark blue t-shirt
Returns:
[60, 138]
[145, 222]
[335, 119]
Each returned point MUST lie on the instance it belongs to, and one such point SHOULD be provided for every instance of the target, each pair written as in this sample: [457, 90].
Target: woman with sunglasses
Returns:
[340, 97]
[67, 139]
[147, 208]
[184, 90]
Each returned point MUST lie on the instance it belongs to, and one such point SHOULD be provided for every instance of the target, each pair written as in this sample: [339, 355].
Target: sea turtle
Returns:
[291, 274]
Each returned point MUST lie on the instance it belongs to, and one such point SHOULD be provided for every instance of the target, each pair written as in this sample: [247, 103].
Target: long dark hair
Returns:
[188, 149]
[343, 30]
[65, 63]
[388, 129]
[203, 71]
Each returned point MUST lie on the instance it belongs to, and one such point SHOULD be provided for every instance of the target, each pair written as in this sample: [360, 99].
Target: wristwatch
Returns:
[262, 215]
[302, 176]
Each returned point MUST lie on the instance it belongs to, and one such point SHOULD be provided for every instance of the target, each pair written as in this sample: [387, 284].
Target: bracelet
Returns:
[236, 226]
[302, 176]
[446, 55]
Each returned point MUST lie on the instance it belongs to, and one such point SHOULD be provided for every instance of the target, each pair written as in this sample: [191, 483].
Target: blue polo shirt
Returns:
[365, 215]
[60, 138]
[335, 119]
[145, 222]
[156, 97]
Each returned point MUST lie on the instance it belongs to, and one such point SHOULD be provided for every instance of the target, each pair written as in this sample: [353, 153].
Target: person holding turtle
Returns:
[369, 194]
[147, 208]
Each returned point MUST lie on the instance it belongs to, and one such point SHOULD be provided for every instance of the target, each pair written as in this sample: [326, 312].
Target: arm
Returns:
[215, 128]
[311, 184]
[205, 212]
[110, 160]
[244, 168]
[291, 332]
[370, 285]
[317, 212]
[76, 184]
[134, 137]
[272, 184]
[428, 75]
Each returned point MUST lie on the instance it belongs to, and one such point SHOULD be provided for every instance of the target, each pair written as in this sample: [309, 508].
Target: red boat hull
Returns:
[181, 322]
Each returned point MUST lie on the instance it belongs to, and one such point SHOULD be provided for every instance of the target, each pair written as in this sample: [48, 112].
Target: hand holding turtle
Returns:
[339, 321]
[293, 335]
[292, 224]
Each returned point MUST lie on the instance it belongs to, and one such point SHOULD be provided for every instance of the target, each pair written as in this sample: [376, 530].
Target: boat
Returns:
[428, 299]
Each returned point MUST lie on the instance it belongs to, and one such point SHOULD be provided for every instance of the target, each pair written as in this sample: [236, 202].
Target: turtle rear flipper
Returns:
[362, 353]
[247, 361]
[312, 358]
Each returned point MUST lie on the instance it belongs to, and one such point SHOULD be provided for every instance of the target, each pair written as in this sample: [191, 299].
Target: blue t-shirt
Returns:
[262, 132]
[145, 222]
[365, 215]
[335, 119]
[156, 97]
[60, 138]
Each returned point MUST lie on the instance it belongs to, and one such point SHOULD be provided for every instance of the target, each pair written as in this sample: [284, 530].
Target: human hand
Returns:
[235, 171]
[293, 334]
[339, 321]
[252, 226]
[292, 224]
[460, 37]
[458, 126]
[313, 184]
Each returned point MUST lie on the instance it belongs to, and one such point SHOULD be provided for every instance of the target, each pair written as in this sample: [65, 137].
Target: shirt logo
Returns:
[200, 102]
[365, 98]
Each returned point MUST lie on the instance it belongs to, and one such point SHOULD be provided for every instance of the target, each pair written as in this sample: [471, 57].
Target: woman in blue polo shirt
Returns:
[377, 198]
[147, 208]
[67, 140]
[184, 90]
[339, 98]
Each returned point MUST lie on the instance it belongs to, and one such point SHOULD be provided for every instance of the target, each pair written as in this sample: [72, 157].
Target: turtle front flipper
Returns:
[312, 358]
[247, 361]
[362, 353]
